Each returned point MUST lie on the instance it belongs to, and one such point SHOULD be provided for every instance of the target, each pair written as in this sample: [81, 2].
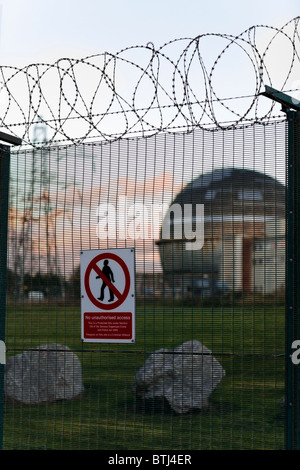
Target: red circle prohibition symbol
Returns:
[121, 296]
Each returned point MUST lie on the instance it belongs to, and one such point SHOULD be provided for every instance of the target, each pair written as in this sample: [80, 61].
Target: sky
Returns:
[39, 31]
[43, 31]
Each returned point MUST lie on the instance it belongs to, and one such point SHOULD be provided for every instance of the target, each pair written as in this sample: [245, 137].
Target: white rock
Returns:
[44, 374]
[185, 376]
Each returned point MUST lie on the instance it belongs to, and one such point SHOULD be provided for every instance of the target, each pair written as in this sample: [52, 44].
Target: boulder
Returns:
[44, 374]
[184, 376]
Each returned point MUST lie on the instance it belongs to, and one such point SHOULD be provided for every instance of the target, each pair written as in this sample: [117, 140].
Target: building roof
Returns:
[235, 190]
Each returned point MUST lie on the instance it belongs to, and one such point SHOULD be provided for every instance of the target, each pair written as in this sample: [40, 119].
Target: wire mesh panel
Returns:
[204, 212]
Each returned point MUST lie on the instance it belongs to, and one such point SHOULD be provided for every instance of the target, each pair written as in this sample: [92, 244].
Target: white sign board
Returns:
[107, 280]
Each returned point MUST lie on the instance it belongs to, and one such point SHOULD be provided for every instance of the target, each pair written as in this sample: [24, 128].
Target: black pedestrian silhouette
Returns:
[109, 274]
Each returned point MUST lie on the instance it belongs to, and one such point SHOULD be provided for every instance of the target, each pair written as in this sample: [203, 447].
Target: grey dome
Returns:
[236, 202]
[231, 189]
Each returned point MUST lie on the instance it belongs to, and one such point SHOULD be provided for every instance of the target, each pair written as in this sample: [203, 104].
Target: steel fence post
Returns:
[291, 308]
[292, 283]
[291, 107]
[4, 195]
[4, 190]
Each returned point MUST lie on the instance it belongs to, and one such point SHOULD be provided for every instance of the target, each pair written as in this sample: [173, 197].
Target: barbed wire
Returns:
[212, 80]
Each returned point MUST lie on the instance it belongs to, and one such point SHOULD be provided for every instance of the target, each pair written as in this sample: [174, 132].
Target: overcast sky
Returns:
[40, 31]
[44, 31]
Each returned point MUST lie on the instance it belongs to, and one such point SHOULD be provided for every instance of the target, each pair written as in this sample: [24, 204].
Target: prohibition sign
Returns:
[121, 296]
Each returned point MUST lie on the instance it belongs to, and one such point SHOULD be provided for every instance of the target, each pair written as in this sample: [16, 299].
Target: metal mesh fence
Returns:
[207, 369]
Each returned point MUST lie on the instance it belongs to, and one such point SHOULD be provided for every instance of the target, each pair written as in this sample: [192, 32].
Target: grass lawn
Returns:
[244, 410]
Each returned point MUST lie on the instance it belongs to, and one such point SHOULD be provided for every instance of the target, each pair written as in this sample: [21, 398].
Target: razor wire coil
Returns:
[81, 99]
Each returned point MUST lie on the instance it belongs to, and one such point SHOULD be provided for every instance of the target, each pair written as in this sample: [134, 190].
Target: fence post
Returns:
[291, 107]
[4, 189]
[292, 395]
[4, 194]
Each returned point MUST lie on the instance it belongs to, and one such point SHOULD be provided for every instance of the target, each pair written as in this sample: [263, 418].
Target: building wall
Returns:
[268, 274]
[246, 251]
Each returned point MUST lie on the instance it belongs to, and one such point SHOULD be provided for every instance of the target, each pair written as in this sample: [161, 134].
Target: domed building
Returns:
[243, 218]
